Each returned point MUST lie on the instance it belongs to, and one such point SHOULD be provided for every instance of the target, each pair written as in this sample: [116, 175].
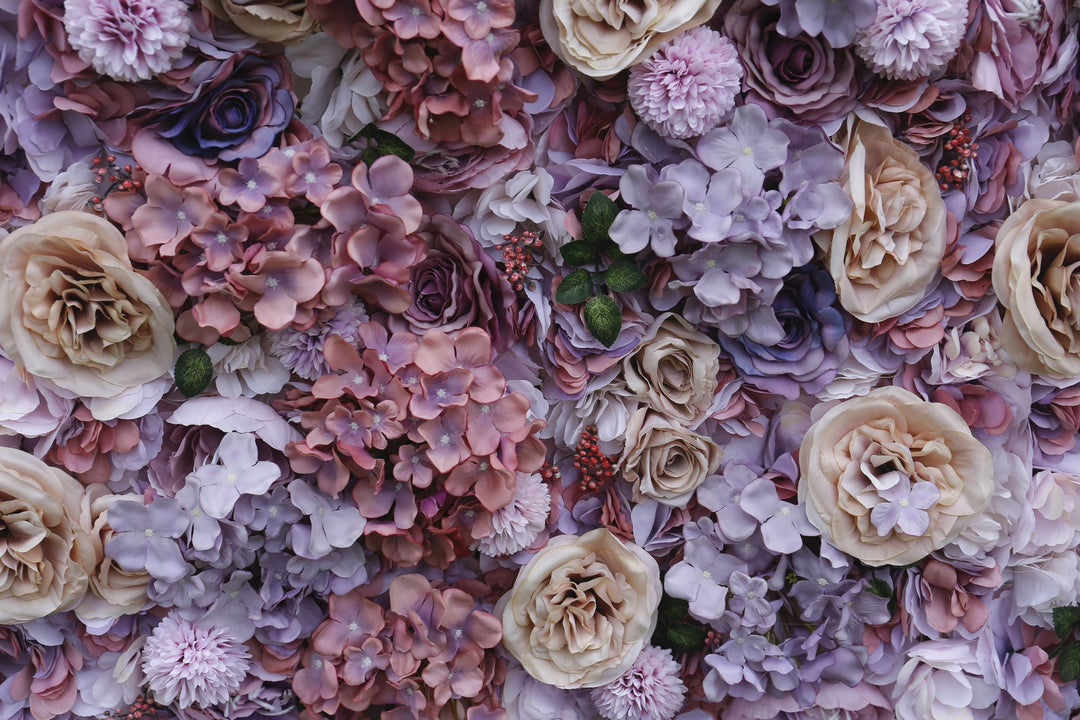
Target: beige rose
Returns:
[113, 590]
[600, 39]
[665, 461]
[863, 464]
[278, 21]
[1037, 249]
[674, 370]
[887, 253]
[76, 313]
[582, 609]
[46, 555]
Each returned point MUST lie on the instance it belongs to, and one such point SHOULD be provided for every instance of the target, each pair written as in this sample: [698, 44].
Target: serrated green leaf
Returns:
[603, 318]
[578, 252]
[673, 609]
[597, 217]
[382, 143]
[625, 276]
[686, 638]
[1065, 620]
[575, 288]
[1069, 662]
[194, 370]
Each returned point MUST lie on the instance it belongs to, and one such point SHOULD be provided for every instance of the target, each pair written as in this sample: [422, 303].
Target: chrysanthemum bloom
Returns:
[911, 39]
[650, 690]
[688, 86]
[127, 39]
[517, 525]
[195, 665]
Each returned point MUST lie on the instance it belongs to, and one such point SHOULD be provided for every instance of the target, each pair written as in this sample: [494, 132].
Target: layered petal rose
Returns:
[582, 609]
[885, 256]
[283, 21]
[888, 478]
[77, 313]
[665, 461]
[1036, 254]
[601, 39]
[46, 554]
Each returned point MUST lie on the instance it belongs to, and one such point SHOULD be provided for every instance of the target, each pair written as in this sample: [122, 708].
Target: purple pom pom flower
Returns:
[650, 690]
[688, 86]
[193, 665]
[128, 40]
[910, 39]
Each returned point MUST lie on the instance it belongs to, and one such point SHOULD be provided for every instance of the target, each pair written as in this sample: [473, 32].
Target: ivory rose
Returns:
[600, 39]
[282, 21]
[76, 312]
[665, 461]
[888, 478]
[113, 591]
[582, 609]
[674, 369]
[46, 555]
[1035, 257]
[890, 249]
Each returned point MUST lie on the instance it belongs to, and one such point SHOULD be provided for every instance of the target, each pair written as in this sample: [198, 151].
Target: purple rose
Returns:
[237, 117]
[457, 285]
[800, 75]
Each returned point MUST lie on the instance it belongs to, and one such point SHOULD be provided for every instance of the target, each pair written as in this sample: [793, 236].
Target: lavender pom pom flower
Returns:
[911, 39]
[193, 665]
[688, 86]
[650, 690]
[128, 40]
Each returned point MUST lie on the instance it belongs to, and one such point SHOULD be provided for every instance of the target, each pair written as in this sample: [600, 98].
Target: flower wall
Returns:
[554, 360]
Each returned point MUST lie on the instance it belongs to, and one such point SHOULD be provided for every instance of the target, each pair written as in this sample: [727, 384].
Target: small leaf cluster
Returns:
[1066, 623]
[675, 630]
[380, 142]
[602, 315]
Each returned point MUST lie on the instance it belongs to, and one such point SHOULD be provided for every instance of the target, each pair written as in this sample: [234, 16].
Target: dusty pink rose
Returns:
[665, 461]
[888, 478]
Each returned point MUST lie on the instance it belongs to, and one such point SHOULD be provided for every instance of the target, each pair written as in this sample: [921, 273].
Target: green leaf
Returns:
[625, 276]
[578, 252]
[597, 217]
[603, 318]
[673, 609]
[1065, 620]
[382, 143]
[1069, 662]
[686, 638]
[194, 371]
[575, 288]
[880, 588]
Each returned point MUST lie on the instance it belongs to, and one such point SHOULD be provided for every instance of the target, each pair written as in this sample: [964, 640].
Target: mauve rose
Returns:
[888, 478]
[664, 461]
[457, 285]
[1037, 249]
[801, 75]
[582, 609]
[236, 117]
[282, 21]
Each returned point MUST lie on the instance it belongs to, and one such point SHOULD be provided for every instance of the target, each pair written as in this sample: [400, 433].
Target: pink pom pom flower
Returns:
[650, 690]
[195, 665]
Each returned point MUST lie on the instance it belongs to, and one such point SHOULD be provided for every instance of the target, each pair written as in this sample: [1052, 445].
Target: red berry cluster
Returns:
[518, 257]
[597, 469]
[141, 709]
[550, 473]
[118, 178]
[960, 150]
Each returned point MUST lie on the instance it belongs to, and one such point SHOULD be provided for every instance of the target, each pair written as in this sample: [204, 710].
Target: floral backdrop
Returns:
[539, 360]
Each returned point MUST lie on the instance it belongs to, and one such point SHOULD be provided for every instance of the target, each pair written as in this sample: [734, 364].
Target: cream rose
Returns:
[889, 478]
[76, 313]
[46, 555]
[113, 590]
[281, 21]
[887, 253]
[674, 370]
[582, 609]
[1035, 257]
[600, 39]
[665, 461]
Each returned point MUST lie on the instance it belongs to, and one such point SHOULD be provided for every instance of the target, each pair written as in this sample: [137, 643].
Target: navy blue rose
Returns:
[236, 118]
[814, 343]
